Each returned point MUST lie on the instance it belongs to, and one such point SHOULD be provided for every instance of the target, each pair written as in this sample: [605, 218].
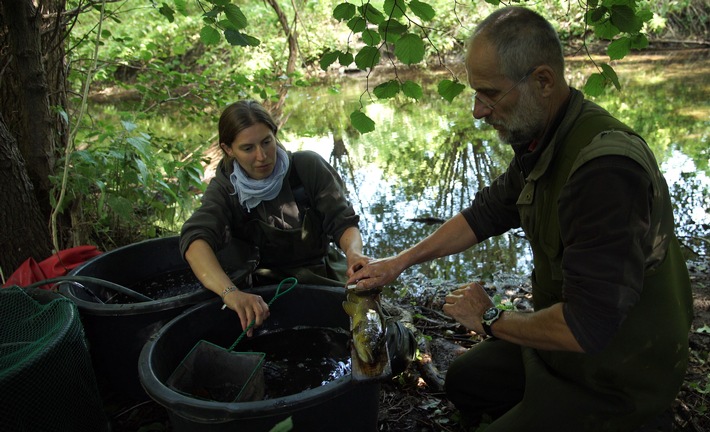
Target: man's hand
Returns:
[376, 273]
[467, 304]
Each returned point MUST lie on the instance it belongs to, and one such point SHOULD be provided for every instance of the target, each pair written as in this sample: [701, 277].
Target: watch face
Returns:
[490, 313]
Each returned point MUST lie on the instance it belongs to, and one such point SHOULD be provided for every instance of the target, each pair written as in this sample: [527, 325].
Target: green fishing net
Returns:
[46, 379]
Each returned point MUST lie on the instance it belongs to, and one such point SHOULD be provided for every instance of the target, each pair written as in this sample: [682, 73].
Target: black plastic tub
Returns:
[340, 405]
[117, 327]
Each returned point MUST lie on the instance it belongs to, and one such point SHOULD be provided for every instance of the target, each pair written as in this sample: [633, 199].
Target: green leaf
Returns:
[283, 426]
[423, 10]
[371, 13]
[619, 48]
[362, 122]
[610, 74]
[450, 89]
[328, 59]
[391, 30]
[705, 329]
[209, 35]
[128, 126]
[181, 6]
[357, 24]
[624, 18]
[345, 58]
[167, 12]
[235, 16]
[368, 57]
[237, 38]
[409, 49]
[387, 89]
[595, 84]
[606, 30]
[394, 8]
[370, 37]
[596, 15]
[639, 41]
[412, 90]
[344, 11]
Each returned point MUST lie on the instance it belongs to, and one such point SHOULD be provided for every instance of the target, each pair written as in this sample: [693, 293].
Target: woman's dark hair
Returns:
[242, 115]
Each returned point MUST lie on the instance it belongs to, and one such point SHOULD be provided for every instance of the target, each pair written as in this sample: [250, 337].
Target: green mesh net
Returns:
[46, 379]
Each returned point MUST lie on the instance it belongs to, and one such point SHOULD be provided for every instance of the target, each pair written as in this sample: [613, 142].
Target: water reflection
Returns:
[426, 161]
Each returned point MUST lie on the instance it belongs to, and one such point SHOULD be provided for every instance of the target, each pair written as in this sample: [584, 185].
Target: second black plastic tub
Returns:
[117, 330]
[340, 405]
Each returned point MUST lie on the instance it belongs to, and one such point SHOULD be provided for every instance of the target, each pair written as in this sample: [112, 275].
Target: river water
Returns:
[425, 161]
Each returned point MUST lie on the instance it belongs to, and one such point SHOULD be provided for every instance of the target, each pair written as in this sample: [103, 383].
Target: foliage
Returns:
[404, 25]
[130, 185]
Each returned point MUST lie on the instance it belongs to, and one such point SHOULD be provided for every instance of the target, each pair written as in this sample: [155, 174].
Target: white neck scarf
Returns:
[251, 191]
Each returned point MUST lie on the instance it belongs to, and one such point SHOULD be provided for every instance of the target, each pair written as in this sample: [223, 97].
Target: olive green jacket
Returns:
[644, 364]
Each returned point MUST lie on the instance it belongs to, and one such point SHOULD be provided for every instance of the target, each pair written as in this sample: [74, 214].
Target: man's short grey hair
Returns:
[523, 39]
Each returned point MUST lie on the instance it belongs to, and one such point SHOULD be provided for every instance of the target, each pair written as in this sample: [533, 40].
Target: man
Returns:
[606, 347]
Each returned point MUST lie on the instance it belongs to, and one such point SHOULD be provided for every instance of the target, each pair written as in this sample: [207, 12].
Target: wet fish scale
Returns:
[367, 325]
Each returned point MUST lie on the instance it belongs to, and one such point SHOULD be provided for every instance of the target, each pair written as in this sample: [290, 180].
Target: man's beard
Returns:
[525, 123]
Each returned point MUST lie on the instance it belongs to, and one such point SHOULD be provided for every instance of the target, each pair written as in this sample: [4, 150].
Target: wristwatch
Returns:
[490, 316]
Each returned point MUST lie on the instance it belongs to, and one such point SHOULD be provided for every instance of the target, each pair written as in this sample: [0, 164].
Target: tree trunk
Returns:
[32, 95]
[292, 38]
[23, 231]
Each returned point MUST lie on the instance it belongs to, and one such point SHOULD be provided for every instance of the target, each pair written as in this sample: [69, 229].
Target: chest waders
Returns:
[304, 253]
[641, 370]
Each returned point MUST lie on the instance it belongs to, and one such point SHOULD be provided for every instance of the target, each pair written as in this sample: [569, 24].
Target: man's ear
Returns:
[544, 79]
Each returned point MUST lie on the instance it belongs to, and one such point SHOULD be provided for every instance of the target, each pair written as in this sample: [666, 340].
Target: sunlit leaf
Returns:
[209, 35]
[705, 329]
[371, 37]
[619, 48]
[394, 8]
[371, 13]
[423, 10]
[412, 90]
[283, 426]
[450, 89]
[362, 122]
[344, 11]
[367, 58]
[387, 89]
[595, 85]
[235, 16]
[610, 74]
[409, 49]
[328, 59]
[181, 6]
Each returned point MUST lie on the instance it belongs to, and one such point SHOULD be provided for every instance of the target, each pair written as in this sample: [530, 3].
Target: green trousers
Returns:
[518, 390]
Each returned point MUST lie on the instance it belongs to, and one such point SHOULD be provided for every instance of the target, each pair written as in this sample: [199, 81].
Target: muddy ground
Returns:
[415, 402]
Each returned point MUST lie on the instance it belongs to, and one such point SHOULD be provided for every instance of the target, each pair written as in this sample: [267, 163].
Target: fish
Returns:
[367, 325]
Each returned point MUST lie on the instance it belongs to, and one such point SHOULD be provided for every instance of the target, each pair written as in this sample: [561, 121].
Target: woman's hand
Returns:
[249, 307]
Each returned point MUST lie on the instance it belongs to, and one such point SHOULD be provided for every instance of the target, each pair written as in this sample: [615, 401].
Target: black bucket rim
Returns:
[222, 412]
[100, 309]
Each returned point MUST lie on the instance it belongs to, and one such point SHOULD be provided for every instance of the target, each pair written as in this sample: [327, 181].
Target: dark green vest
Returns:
[645, 363]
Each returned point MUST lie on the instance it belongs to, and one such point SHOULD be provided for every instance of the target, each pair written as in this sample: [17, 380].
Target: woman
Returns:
[291, 206]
